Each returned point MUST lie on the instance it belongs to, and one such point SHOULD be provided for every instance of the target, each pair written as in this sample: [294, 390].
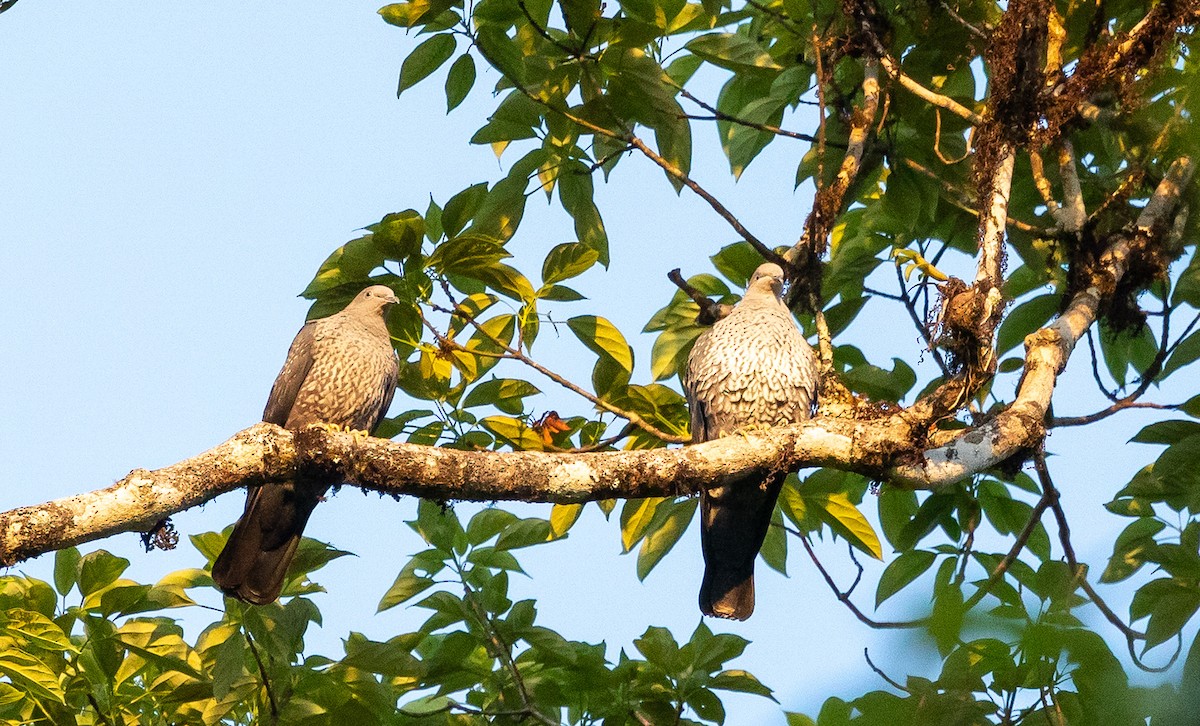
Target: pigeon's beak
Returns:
[392, 299]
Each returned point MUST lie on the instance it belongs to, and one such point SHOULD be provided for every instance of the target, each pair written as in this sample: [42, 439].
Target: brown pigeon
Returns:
[341, 370]
[753, 368]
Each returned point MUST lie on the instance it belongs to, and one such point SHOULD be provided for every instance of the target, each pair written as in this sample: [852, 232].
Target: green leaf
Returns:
[35, 631]
[671, 521]
[636, 516]
[488, 523]
[933, 511]
[414, 12]
[897, 507]
[568, 260]
[946, 617]
[902, 571]
[509, 282]
[501, 52]
[706, 705]
[1023, 320]
[462, 207]
[425, 59]
[658, 646]
[505, 394]
[405, 587]
[1180, 465]
[602, 338]
[66, 565]
[467, 254]
[670, 351]
[1121, 350]
[559, 293]
[733, 52]
[563, 517]
[1166, 432]
[774, 548]
[740, 681]
[673, 136]
[843, 517]
[438, 525]
[98, 570]
[1132, 549]
[514, 432]
[523, 533]
[459, 81]
[878, 383]
[1169, 604]
[575, 191]
[742, 143]
[32, 675]
[1185, 353]
[1191, 406]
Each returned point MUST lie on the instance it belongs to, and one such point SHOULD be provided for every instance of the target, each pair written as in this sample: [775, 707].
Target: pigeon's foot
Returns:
[336, 429]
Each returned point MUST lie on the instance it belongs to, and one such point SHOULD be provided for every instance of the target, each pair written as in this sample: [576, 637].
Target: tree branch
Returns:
[892, 68]
[886, 448]
[1046, 354]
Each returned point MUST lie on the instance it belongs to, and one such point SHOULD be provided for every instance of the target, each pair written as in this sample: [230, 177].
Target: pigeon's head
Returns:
[375, 297]
[766, 280]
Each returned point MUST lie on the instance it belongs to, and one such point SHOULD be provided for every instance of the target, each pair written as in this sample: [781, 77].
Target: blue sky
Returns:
[173, 175]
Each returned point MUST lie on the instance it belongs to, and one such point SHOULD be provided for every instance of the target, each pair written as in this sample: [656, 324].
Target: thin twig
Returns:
[966, 203]
[502, 651]
[1035, 517]
[722, 116]
[1050, 494]
[910, 306]
[1121, 405]
[90, 697]
[961, 20]
[262, 671]
[883, 675]
[710, 312]
[673, 171]
[626, 430]
[517, 355]
[761, 247]
[783, 19]
[844, 597]
[573, 52]
[893, 70]
[1110, 395]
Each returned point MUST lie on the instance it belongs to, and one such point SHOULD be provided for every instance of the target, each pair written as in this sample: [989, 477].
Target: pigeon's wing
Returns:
[287, 384]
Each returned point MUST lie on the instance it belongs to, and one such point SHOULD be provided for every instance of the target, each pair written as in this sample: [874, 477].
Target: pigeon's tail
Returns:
[254, 563]
[734, 519]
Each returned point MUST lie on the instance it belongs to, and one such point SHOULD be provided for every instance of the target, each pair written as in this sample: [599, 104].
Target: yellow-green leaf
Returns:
[513, 431]
[663, 537]
[636, 516]
[845, 519]
[603, 338]
[563, 517]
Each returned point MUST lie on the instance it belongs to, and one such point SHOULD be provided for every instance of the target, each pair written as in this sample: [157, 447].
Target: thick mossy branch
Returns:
[902, 446]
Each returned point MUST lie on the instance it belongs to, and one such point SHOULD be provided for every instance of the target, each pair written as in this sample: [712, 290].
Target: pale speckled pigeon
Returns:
[341, 370]
[753, 368]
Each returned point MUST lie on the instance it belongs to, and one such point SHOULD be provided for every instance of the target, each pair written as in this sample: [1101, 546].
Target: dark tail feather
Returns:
[727, 592]
[254, 563]
[734, 519]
